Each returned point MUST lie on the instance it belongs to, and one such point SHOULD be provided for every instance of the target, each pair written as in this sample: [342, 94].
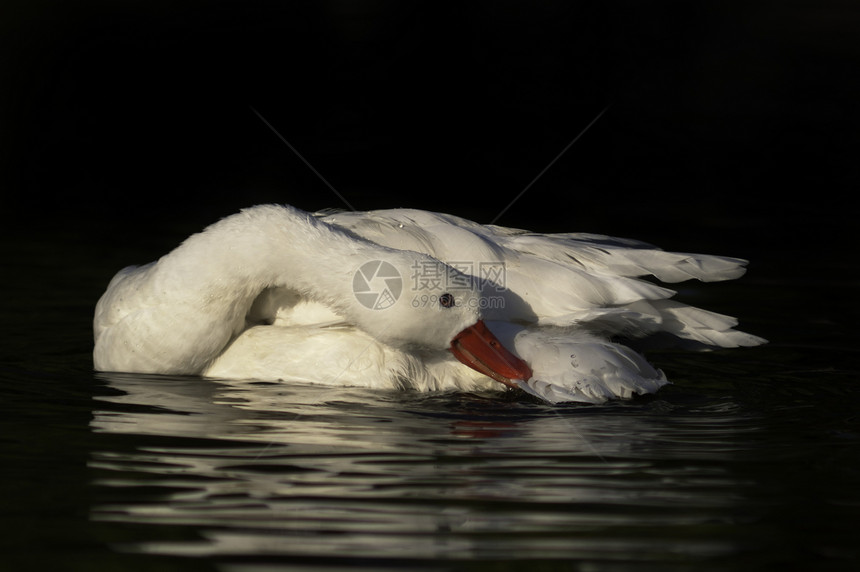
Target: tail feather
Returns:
[711, 328]
[621, 259]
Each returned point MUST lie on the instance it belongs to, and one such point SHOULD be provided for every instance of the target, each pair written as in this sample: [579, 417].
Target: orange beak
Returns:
[478, 348]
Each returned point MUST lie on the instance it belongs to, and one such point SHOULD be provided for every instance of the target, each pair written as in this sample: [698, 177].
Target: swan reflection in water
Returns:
[303, 470]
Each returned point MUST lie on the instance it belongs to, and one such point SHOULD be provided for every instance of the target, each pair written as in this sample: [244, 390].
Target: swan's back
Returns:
[570, 279]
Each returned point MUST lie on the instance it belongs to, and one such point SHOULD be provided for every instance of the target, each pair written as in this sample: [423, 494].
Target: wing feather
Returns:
[567, 279]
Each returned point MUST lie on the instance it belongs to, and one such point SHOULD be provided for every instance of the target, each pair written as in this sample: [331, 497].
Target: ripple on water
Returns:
[298, 470]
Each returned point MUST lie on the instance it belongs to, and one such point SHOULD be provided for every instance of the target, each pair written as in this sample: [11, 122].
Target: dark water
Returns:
[750, 460]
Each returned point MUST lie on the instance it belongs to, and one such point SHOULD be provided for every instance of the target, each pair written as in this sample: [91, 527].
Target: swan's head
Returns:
[414, 301]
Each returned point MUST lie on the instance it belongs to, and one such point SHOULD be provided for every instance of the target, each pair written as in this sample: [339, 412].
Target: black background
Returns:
[729, 126]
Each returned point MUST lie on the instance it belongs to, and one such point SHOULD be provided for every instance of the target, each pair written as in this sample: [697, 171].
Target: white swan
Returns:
[405, 298]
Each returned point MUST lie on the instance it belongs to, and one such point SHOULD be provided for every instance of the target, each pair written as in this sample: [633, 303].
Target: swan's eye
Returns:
[446, 300]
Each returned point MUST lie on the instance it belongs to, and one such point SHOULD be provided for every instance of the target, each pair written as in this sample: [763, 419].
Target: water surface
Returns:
[749, 460]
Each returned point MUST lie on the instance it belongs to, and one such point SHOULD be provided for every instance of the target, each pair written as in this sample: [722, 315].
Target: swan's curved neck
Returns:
[271, 246]
[179, 314]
